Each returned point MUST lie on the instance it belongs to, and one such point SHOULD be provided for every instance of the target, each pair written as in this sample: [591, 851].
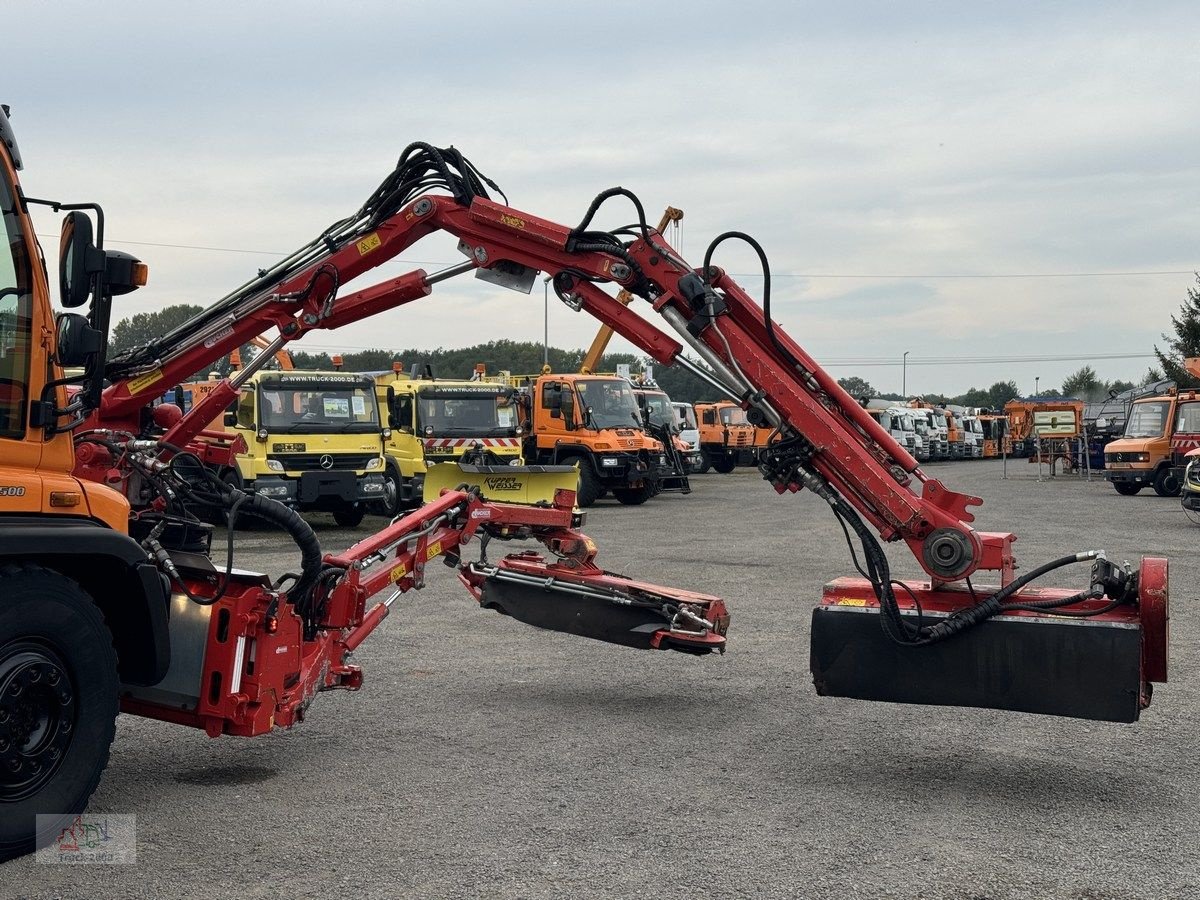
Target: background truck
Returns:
[726, 436]
[658, 416]
[433, 421]
[313, 440]
[689, 433]
[896, 421]
[1150, 453]
[936, 427]
[592, 422]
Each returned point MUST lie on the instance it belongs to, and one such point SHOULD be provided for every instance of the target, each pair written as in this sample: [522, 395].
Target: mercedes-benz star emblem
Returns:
[326, 461]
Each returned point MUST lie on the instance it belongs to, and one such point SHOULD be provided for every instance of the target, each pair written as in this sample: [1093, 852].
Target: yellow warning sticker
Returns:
[397, 573]
[851, 601]
[139, 384]
[370, 242]
[435, 549]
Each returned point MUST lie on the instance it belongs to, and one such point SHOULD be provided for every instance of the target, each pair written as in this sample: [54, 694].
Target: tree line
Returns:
[526, 358]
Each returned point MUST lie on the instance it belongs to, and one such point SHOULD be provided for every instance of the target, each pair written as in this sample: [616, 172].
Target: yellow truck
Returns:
[433, 421]
[314, 440]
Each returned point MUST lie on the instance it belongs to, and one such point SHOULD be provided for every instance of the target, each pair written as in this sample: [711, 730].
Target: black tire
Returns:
[725, 464]
[705, 463]
[1126, 489]
[635, 496]
[589, 485]
[1167, 483]
[389, 506]
[349, 516]
[57, 655]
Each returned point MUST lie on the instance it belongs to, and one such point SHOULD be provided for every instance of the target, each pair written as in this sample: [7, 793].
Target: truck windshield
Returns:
[317, 406]
[1188, 420]
[459, 412]
[611, 401]
[733, 415]
[906, 423]
[1147, 420]
[658, 406]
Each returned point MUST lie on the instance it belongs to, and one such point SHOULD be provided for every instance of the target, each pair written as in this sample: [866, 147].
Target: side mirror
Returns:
[75, 260]
[230, 419]
[391, 407]
[78, 341]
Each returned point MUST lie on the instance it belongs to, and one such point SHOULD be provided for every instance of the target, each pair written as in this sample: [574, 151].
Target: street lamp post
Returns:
[546, 320]
[1036, 379]
[904, 374]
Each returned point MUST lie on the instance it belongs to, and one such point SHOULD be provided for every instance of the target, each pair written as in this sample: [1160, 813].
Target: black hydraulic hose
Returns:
[299, 530]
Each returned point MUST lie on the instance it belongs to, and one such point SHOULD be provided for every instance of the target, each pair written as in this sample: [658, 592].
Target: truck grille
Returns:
[311, 462]
[1122, 457]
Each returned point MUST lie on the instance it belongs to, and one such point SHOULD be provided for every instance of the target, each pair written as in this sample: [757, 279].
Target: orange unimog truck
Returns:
[592, 422]
[727, 438]
[1149, 453]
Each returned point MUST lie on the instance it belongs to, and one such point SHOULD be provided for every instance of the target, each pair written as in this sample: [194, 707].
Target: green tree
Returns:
[140, 329]
[1000, 393]
[1083, 384]
[1184, 342]
[1152, 375]
[1119, 386]
[144, 327]
[856, 387]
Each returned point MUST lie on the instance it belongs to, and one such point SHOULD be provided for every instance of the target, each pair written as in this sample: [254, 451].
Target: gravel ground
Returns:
[485, 758]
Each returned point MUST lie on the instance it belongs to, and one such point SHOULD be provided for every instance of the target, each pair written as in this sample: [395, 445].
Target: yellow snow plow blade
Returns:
[504, 484]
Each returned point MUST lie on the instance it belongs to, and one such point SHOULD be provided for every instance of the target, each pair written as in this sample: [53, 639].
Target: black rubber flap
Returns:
[560, 610]
[1058, 667]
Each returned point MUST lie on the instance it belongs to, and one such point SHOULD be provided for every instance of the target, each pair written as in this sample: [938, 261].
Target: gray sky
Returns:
[854, 140]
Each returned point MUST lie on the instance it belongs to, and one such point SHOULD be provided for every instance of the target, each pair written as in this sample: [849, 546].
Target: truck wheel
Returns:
[724, 464]
[589, 485]
[705, 463]
[634, 496]
[58, 702]
[389, 506]
[1126, 489]
[349, 516]
[1167, 483]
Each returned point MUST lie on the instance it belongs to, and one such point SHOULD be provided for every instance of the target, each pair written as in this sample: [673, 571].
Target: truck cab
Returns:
[314, 440]
[689, 433]
[726, 436]
[937, 434]
[658, 413]
[896, 421]
[436, 421]
[993, 428]
[1142, 457]
[594, 423]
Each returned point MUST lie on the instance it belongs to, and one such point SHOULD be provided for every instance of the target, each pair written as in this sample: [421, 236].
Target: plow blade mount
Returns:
[504, 484]
[1088, 668]
[603, 606]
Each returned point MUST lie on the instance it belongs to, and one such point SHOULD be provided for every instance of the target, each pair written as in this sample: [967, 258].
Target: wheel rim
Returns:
[37, 717]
